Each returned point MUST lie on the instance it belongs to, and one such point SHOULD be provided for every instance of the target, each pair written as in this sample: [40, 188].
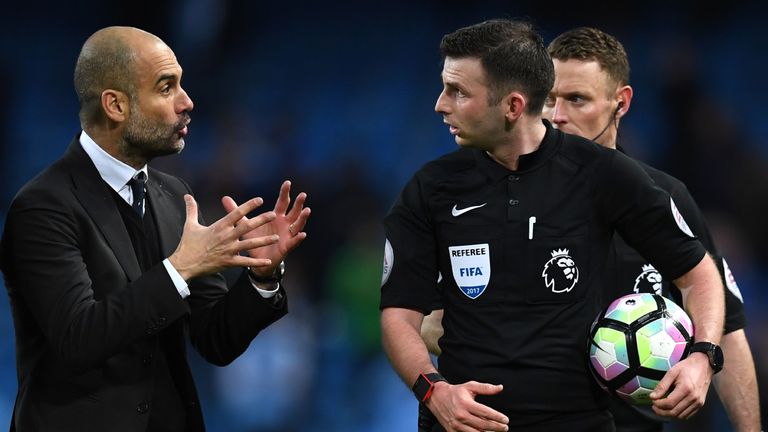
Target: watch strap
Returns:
[713, 352]
[424, 385]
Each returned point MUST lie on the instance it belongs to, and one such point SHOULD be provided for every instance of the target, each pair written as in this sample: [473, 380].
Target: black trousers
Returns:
[598, 421]
[629, 419]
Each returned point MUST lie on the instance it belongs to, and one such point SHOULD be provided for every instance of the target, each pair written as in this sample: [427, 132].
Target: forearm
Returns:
[432, 330]
[224, 320]
[736, 384]
[703, 299]
[403, 344]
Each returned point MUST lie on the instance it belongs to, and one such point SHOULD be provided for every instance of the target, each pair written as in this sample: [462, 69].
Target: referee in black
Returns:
[591, 78]
[518, 223]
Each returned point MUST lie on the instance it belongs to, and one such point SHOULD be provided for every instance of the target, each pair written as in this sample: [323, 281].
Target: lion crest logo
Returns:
[560, 273]
[648, 281]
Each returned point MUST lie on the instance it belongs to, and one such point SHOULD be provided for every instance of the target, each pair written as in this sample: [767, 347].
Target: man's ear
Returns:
[115, 105]
[515, 104]
[624, 98]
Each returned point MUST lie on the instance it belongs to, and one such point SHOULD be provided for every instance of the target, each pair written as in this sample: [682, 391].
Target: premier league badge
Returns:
[560, 273]
[649, 281]
[471, 266]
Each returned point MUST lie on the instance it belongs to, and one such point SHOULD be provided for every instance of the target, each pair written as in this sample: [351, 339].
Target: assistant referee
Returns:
[590, 97]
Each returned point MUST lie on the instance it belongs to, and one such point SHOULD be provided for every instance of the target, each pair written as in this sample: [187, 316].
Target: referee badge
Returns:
[681, 223]
[389, 260]
[730, 282]
[471, 267]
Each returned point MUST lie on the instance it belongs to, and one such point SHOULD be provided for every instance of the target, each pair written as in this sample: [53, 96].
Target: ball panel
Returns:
[658, 346]
[636, 391]
[608, 353]
[629, 308]
[678, 314]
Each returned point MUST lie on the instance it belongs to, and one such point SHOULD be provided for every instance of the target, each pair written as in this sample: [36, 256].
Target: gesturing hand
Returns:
[288, 225]
[204, 250]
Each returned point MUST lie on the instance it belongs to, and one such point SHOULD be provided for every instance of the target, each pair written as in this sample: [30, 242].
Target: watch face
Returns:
[421, 387]
[714, 354]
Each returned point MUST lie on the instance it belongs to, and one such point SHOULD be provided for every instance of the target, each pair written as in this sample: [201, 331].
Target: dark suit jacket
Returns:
[86, 317]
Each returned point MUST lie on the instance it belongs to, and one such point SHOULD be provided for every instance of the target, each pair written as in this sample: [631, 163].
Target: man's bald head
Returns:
[107, 61]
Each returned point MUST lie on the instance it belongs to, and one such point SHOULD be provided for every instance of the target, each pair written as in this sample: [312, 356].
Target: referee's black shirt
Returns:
[627, 271]
[521, 268]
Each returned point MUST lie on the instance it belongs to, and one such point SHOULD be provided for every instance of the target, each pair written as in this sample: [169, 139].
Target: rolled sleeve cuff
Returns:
[178, 281]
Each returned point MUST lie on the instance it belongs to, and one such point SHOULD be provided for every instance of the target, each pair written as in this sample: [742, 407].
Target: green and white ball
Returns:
[635, 341]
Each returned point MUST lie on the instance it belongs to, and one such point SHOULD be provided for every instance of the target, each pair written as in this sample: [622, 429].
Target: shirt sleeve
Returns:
[646, 217]
[178, 281]
[411, 264]
[735, 317]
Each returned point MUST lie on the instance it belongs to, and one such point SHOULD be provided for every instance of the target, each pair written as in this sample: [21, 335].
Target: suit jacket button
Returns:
[162, 320]
[147, 359]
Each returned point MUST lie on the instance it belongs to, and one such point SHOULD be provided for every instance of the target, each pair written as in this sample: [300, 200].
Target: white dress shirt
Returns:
[117, 174]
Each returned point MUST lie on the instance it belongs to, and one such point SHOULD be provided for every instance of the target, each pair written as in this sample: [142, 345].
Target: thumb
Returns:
[662, 388]
[191, 209]
[484, 388]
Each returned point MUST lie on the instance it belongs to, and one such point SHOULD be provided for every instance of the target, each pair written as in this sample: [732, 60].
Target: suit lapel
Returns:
[169, 217]
[94, 195]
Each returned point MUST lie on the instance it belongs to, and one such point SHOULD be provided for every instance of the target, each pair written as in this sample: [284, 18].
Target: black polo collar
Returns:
[527, 162]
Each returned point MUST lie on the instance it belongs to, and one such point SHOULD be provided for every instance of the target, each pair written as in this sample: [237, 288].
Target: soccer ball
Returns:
[635, 341]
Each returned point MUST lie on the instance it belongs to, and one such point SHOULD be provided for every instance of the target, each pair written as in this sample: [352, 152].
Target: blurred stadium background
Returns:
[340, 99]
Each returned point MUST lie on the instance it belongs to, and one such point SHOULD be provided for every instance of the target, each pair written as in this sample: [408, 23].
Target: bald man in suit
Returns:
[108, 268]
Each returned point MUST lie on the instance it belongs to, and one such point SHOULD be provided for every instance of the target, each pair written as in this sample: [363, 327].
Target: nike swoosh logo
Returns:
[456, 212]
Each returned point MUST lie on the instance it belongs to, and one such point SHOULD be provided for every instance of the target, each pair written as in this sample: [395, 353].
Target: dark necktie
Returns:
[137, 185]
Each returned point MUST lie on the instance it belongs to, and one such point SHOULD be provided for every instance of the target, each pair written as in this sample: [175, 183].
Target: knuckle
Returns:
[462, 416]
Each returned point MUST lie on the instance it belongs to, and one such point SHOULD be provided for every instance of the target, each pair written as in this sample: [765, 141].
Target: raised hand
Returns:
[204, 250]
[456, 409]
[288, 225]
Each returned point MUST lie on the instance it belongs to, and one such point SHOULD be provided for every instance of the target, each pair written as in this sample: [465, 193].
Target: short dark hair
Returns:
[103, 64]
[513, 56]
[591, 44]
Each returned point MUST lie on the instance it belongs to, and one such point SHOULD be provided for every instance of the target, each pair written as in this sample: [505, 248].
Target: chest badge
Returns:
[649, 281]
[471, 268]
[560, 273]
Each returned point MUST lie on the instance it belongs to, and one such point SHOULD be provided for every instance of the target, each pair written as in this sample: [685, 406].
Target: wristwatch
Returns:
[424, 385]
[713, 352]
[276, 276]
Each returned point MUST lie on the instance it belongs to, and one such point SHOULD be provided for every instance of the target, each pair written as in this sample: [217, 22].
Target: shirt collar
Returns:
[526, 162]
[114, 172]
